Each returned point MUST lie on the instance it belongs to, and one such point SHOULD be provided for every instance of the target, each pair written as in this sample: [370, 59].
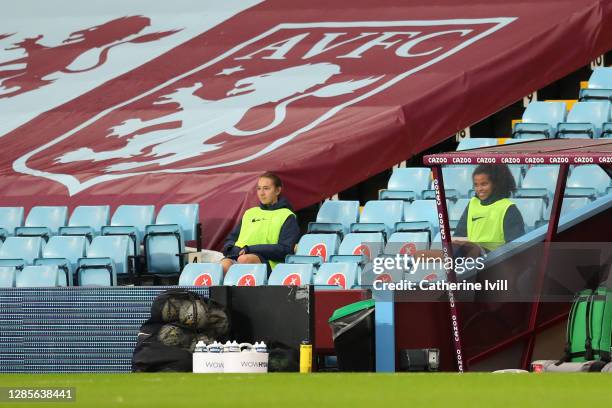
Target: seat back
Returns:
[458, 178]
[8, 275]
[339, 211]
[407, 242]
[414, 179]
[476, 142]
[456, 210]
[550, 113]
[601, 78]
[117, 248]
[386, 212]
[291, 275]
[187, 216]
[138, 216]
[569, 204]
[201, 274]
[97, 272]
[368, 244]
[246, 275]
[38, 276]
[26, 248]
[337, 275]
[542, 177]
[51, 217]
[532, 210]
[11, 217]
[595, 113]
[94, 216]
[589, 176]
[423, 210]
[70, 248]
[163, 243]
[323, 245]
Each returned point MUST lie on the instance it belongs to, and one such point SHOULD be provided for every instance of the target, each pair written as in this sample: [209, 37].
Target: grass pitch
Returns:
[323, 390]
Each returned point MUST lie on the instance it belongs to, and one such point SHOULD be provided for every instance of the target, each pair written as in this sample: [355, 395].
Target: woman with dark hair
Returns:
[491, 219]
[266, 233]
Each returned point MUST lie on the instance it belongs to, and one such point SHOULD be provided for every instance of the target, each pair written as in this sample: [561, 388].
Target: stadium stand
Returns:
[337, 275]
[292, 275]
[540, 120]
[585, 120]
[406, 184]
[201, 274]
[38, 276]
[43, 221]
[64, 252]
[10, 218]
[87, 220]
[246, 275]
[335, 216]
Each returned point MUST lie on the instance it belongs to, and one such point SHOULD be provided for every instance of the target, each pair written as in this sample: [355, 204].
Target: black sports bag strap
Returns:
[588, 343]
[567, 356]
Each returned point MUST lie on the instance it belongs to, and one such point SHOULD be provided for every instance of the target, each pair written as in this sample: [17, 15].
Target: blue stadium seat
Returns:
[187, 216]
[406, 184]
[594, 95]
[540, 181]
[38, 276]
[532, 210]
[291, 275]
[432, 272]
[476, 142]
[408, 242]
[87, 220]
[601, 78]
[64, 252]
[107, 257]
[540, 120]
[10, 218]
[585, 120]
[338, 275]
[421, 215]
[131, 220]
[246, 275]
[20, 251]
[367, 245]
[380, 216]
[457, 181]
[335, 216]
[517, 173]
[201, 274]
[8, 276]
[587, 180]
[43, 221]
[314, 249]
[456, 211]
[569, 204]
[164, 242]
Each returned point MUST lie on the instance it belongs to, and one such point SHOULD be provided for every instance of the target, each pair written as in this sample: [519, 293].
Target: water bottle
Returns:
[260, 347]
[232, 347]
[215, 347]
[200, 347]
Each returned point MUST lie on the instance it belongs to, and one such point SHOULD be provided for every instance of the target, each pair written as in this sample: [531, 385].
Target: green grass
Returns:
[325, 390]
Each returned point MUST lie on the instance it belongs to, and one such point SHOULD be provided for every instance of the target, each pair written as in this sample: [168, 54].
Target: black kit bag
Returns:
[179, 319]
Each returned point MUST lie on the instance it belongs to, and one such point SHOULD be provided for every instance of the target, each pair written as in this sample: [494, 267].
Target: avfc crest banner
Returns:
[152, 108]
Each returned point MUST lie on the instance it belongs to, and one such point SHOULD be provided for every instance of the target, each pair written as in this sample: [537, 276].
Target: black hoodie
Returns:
[288, 237]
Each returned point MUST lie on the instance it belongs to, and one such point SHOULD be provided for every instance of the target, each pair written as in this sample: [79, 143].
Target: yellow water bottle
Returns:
[305, 357]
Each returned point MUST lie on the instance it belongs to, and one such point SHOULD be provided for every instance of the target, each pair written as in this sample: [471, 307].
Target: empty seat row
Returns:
[589, 119]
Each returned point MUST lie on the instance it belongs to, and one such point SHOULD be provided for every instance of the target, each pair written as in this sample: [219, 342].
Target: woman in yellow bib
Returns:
[491, 219]
[265, 234]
